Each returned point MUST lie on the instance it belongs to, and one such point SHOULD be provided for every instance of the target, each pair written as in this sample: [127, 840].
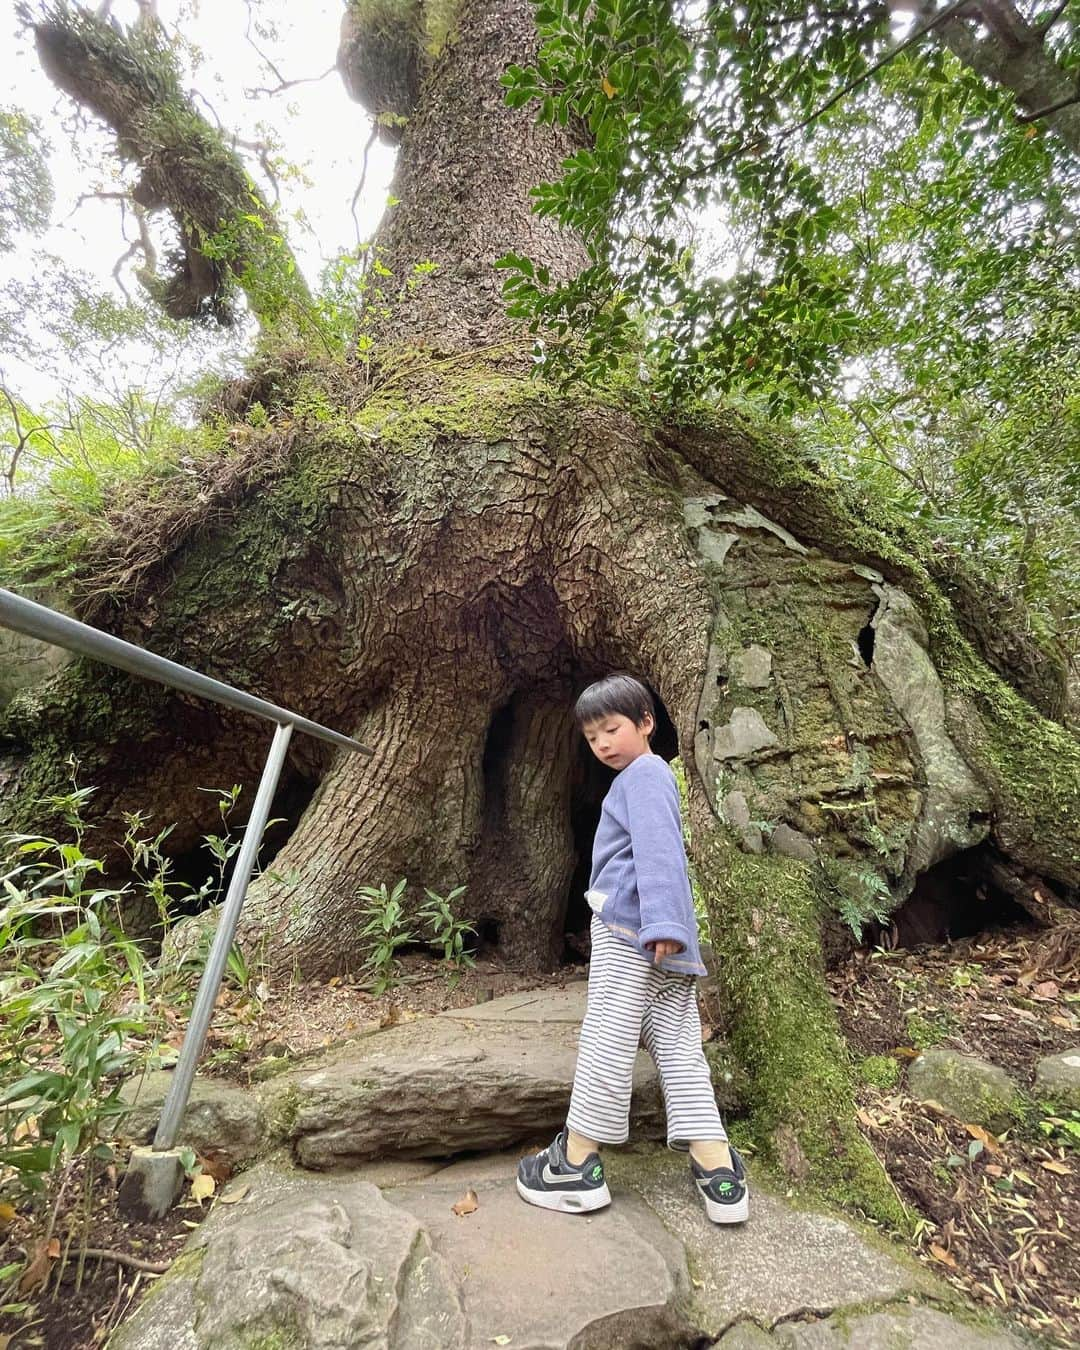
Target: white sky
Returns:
[319, 127]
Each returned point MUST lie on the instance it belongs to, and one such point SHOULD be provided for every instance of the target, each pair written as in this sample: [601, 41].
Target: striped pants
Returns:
[630, 999]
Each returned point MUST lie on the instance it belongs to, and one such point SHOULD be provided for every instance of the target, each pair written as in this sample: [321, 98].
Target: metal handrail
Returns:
[38, 621]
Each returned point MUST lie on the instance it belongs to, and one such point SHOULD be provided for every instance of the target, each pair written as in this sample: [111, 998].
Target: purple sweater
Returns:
[639, 885]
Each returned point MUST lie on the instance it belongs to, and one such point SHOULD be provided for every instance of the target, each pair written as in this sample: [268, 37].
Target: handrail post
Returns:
[183, 1075]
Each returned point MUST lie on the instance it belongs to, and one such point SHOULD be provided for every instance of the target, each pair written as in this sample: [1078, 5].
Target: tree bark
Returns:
[434, 552]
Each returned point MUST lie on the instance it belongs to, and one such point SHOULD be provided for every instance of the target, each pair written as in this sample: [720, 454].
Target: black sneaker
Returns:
[724, 1190]
[548, 1180]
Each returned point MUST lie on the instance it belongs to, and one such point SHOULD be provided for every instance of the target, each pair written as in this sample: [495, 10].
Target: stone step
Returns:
[473, 1079]
[375, 1256]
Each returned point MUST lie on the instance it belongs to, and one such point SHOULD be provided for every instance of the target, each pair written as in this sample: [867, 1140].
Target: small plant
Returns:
[447, 931]
[74, 1013]
[384, 929]
[861, 894]
[1062, 1129]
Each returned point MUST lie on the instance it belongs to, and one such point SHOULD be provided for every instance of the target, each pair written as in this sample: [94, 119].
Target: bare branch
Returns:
[363, 177]
[288, 84]
[1044, 25]
[23, 437]
[84, 197]
[1053, 108]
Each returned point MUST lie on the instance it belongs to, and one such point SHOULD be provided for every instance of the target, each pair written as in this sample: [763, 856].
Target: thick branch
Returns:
[1014, 55]
[228, 233]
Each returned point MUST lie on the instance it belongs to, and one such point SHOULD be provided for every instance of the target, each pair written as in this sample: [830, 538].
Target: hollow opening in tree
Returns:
[590, 781]
[958, 898]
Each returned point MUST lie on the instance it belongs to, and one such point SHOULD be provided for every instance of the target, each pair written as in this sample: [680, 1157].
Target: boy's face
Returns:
[617, 740]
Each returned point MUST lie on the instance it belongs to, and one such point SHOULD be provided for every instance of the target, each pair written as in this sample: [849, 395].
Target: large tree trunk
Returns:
[433, 552]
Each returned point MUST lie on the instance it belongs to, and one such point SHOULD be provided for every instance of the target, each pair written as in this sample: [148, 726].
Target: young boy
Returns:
[641, 978]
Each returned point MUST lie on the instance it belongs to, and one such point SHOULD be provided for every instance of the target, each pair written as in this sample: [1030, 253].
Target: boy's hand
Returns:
[662, 949]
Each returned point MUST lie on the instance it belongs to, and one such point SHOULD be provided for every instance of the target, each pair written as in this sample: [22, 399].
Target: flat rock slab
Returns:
[895, 1329]
[566, 1005]
[784, 1262]
[547, 1280]
[303, 1261]
[478, 1079]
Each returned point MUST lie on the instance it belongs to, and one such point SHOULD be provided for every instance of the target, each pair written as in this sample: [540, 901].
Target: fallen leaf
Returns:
[905, 1052]
[36, 1272]
[1068, 1023]
[946, 1258]
[988, 1141]
[25, 1127]
[1046, 989]
[706, 1033]
[865, 1118]
[1058, 1167]
[233, 1194]
[7, 1212]
[466, 1204]
[993, 1170]
[203, 1187]
[216, 1165]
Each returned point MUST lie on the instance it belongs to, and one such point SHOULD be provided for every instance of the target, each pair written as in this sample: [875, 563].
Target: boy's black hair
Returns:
[618, 693]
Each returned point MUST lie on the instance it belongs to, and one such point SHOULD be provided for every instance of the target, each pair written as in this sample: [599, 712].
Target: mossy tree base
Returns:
[766, 920]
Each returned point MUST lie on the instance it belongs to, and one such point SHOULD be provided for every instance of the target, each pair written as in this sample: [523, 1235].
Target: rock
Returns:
[218, 1115]
[736, 812]
[742, 735]
[747, 1336]
[900, 1329]
[750, 518]
[956, 808]
[303, 1261]
[752, 667]
[476, 1078]
[715, 544]
[967, 1087]
[1058, 1077]
[787, 1261]
[792, 844]
[617, 1278]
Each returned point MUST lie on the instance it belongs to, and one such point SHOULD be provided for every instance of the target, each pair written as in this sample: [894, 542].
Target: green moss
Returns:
[426, 23]
[283, 1109]
[925, 1031]
[280, 1338]
[766, 918]
[880, 1071]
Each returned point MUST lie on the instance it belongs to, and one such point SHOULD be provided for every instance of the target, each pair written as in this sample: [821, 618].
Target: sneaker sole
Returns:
[566, 1202]
[738, 1212]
